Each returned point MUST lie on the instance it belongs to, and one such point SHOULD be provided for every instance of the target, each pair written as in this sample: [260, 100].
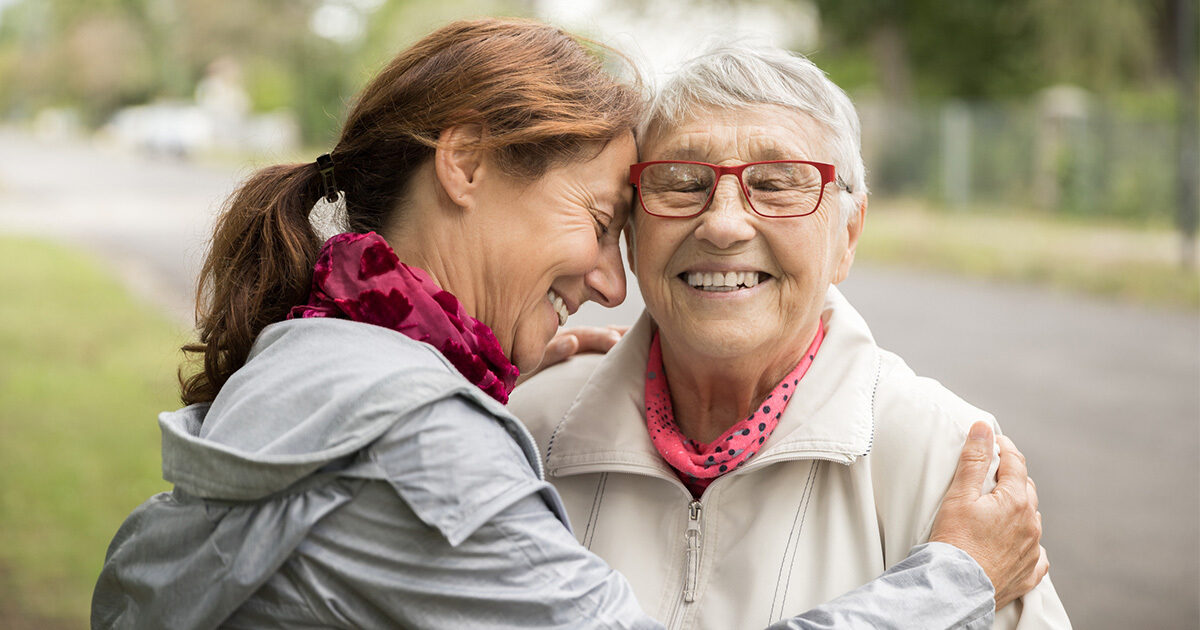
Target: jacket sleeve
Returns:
[936, 586]
[453, 530]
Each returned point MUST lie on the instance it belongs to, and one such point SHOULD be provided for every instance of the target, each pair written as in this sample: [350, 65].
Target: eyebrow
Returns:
[769, 153]
[689, 154]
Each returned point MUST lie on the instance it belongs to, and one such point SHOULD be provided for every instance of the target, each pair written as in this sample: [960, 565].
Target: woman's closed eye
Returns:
[602, 224]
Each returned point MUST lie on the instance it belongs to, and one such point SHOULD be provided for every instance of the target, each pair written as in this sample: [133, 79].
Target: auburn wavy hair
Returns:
[541, 96]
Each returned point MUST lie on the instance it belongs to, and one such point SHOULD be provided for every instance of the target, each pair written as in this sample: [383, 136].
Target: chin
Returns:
[724, 340]
[527, 354]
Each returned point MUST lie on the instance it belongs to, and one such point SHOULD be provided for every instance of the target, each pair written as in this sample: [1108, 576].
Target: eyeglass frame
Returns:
[828, 176]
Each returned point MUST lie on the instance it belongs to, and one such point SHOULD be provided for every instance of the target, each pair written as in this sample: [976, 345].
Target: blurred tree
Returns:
[977, 49]
[927, 48]
[309, 56]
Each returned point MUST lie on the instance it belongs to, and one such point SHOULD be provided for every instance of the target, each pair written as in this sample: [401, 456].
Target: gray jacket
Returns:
[348, 476]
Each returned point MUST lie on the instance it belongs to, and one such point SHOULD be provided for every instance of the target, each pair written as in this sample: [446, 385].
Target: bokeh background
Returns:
[1031, 239]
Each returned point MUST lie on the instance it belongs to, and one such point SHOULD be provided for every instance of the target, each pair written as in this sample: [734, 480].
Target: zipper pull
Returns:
[692, 537]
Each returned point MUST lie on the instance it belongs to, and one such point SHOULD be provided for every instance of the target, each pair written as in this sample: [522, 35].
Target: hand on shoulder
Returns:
[1001, 529]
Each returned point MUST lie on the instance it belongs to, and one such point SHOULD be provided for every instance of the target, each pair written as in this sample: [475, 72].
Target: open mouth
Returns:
[720, 282]
[560, 307]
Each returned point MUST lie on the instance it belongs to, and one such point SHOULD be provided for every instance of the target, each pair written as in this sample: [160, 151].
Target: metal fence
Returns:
[1063, 153]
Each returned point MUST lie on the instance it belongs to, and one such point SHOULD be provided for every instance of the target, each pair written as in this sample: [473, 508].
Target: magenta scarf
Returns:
[359, 277]
[696, 464]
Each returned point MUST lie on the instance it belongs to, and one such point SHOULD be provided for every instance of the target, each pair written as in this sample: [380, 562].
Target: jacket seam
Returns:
[874, 392]
[807, 500]
[789, 552]
[594, 516]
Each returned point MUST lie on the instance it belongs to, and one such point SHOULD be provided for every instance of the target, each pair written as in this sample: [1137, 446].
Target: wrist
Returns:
[969, 566]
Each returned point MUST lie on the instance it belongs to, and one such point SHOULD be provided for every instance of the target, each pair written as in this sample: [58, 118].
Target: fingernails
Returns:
[979, 431]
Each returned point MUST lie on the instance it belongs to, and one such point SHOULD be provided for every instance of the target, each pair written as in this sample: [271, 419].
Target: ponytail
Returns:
[260, 265]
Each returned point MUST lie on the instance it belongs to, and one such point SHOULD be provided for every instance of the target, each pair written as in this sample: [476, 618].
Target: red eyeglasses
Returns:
[775, 189]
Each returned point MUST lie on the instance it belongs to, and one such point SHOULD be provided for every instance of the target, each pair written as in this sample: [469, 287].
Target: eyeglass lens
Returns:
[776, 189]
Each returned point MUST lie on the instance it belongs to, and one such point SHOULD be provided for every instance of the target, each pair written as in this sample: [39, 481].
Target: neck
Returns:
[711, 394]
[433, 240]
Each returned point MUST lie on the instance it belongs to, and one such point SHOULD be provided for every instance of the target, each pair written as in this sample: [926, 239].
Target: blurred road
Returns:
[1103, 398]
[149, 217]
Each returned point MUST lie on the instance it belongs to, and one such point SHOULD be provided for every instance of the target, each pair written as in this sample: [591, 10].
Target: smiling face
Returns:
[729, 284]
[553, 244]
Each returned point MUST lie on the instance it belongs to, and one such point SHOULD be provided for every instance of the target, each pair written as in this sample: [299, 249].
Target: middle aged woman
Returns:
[345, 459]
[747, 451]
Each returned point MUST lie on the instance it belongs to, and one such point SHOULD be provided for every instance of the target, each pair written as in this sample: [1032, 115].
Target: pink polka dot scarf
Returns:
[359, 277]
[698, 464]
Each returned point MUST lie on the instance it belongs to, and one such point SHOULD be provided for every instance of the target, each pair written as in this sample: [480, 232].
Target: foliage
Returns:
[977, 49]
[99, 56]
[84, 370]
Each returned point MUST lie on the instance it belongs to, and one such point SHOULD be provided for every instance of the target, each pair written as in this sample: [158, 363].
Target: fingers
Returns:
[1031, 493]
[594, 339]
[1043, 566]
[1012, 476]
[973, 463]
[559, 349]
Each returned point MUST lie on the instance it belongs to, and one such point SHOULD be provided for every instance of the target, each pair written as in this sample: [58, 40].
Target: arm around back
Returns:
[453, 529]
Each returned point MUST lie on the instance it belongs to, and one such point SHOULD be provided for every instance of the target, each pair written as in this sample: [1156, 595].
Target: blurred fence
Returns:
[1062, 152]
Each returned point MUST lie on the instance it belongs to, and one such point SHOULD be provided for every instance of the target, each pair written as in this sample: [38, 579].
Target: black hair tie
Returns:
[325, 166]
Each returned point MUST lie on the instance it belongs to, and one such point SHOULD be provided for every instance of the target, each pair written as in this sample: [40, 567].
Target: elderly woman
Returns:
[747, 451]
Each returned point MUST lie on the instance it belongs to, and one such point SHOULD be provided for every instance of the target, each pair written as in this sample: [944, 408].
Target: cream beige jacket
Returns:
[849, 481]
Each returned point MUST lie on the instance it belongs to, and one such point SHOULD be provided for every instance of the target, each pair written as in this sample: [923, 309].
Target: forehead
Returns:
[748, 134]
[603, 174]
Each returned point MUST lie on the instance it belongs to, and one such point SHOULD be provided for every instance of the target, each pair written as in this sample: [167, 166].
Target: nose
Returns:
[728, 220]
[606, 282]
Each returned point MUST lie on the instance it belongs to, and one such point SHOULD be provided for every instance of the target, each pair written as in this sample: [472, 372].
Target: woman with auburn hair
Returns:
[345, 458]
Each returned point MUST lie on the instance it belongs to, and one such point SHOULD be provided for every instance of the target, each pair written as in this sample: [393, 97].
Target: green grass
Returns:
[84, 370]
[1140, 265]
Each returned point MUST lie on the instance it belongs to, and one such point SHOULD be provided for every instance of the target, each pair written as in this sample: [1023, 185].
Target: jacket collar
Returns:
[831, 414]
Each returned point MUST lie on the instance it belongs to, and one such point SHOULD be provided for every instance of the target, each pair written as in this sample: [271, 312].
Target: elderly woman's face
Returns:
[793, 259]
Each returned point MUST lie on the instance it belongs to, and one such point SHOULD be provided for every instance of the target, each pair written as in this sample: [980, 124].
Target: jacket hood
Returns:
[297, 407]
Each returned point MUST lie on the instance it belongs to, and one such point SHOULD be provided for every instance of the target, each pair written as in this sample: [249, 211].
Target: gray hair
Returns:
[736, 75]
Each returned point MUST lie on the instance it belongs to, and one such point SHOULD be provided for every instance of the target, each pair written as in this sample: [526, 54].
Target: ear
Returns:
[457, 161]
[854, 228]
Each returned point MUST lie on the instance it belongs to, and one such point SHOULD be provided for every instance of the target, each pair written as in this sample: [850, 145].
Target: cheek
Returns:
[653, 249]
[563, 250]
[808, 268]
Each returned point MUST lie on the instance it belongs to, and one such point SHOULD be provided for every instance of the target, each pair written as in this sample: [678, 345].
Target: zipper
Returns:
[692, 538]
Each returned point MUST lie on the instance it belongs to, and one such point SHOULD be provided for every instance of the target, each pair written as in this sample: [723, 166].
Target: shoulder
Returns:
[920, 428]
[542, 401]
[344, 342]
[321, 389]
[326, 360]
[915, 413]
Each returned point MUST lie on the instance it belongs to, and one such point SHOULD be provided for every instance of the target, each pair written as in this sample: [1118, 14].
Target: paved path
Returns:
[1103, 398]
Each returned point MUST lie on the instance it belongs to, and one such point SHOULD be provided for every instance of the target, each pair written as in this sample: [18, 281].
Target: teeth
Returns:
[559, 306]
[718, 281]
